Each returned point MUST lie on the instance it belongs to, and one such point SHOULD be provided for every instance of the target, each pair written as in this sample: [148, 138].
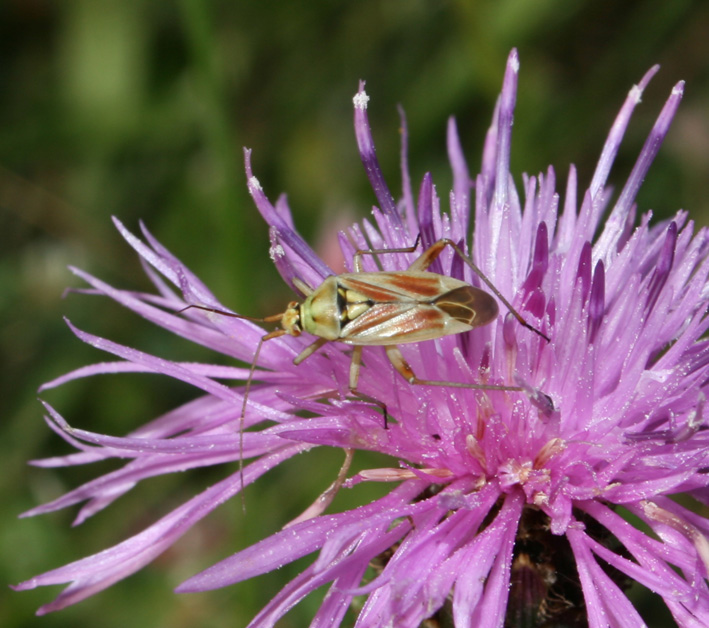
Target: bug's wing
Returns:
[408, 306]
[468, 305]
[397, 323]
[400, 323]
[396, 287]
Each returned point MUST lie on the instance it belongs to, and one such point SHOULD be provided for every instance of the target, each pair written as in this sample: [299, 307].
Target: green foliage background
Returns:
[140, 108]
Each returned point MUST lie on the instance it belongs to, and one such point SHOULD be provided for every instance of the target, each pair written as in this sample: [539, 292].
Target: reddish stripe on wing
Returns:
[428, 287]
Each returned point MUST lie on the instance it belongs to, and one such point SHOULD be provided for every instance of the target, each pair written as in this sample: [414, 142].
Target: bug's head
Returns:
[290, 320]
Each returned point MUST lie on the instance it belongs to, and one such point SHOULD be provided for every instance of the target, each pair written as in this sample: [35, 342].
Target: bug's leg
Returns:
[354, 367]
[401, 365]
[354, 378]
[357, 258]
[303, 287]
[309, 350]
[423, 261]
[493, 289]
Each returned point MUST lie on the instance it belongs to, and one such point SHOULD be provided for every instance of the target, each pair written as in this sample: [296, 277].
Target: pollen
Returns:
[255, 184]
[360, 100]
[276, 252]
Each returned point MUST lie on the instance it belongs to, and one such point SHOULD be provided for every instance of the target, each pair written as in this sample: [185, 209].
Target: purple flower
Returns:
[504, 503]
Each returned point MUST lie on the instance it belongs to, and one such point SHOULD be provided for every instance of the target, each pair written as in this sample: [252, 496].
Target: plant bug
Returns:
[386, 308]
[389, 308]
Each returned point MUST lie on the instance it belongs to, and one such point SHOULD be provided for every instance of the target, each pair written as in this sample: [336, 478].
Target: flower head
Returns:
[503, 500]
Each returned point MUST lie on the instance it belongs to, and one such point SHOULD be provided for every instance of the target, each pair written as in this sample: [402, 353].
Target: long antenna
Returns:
[247, 388]
[274, 318]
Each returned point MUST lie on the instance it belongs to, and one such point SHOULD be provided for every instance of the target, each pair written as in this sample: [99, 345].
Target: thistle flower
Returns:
[504, 505]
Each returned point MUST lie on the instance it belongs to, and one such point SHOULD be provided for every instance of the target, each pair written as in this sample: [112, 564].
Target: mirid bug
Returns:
[389, 308]
[385, 308]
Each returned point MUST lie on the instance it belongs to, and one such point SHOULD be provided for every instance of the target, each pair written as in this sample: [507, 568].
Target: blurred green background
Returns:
[140, 109]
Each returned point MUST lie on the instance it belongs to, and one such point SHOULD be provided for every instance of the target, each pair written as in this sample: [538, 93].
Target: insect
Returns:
[389, 308]
[385, 308]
